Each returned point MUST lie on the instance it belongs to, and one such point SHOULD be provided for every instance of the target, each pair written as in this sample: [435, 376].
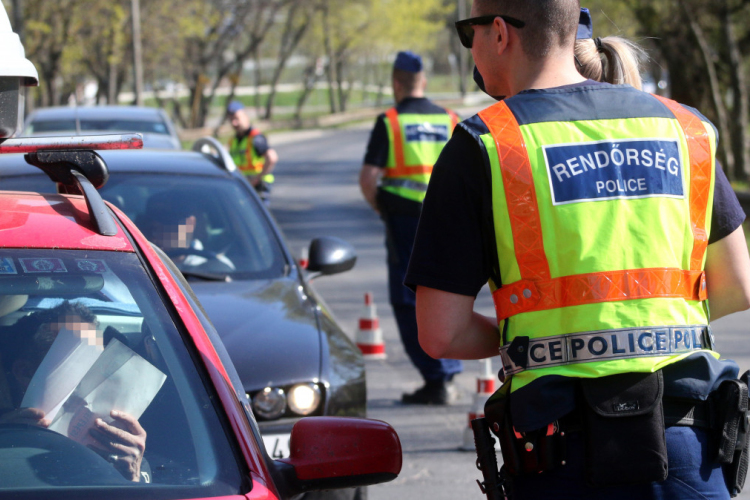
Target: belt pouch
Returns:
[624, 427]
[731, 402]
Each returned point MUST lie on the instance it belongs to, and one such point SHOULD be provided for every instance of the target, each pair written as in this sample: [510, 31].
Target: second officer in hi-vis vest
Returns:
[251, 152]
[404, 145]
[599, 217]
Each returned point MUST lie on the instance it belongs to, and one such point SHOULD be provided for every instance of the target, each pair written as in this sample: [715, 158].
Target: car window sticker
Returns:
[7, 266]
[42, 265]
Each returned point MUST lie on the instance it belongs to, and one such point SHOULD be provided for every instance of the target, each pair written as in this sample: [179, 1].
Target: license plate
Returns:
[277, 445]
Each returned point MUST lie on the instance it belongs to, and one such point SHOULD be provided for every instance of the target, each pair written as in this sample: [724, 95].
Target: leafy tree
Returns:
[702, 46]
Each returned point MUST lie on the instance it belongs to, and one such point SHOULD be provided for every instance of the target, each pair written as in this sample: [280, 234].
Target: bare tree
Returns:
[298, 20]
[235, 29]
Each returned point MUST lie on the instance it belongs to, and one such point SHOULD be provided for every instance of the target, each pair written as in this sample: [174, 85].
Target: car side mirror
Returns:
[329, 255]
[340, 452]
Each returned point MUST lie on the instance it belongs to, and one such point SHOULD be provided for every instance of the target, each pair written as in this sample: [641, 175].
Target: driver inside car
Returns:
[123, 441]
[174, 226]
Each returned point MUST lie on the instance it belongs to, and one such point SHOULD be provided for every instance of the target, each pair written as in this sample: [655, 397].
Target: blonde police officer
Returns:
[598, 216]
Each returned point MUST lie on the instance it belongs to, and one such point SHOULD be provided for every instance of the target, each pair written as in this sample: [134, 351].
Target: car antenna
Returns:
[73, 164]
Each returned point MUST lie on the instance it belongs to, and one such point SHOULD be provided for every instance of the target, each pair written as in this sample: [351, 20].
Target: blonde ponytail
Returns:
[611, 59]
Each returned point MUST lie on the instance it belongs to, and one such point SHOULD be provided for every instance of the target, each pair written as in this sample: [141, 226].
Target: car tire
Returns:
[347, 494]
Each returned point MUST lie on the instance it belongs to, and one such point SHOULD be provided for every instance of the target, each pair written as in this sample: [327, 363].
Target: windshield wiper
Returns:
[205, 276]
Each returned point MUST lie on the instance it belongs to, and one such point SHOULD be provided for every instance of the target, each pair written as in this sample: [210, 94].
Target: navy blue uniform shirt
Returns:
[260, 143]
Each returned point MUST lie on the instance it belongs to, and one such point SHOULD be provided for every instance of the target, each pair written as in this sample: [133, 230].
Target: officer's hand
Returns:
[124, 440]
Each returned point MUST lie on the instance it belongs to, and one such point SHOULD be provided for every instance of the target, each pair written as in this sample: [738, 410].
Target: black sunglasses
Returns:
[465, 27]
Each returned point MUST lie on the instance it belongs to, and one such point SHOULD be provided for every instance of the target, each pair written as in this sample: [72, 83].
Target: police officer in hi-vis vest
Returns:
[403, 147]
[610, 239]
[250, 151]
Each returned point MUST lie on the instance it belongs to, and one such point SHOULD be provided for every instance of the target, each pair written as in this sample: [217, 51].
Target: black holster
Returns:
[624, 429]
[732, 431]
[523, 453]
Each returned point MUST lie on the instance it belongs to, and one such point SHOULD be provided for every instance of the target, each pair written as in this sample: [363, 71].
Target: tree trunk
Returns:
[721, 112]
[331, 62]
[310, 79]
[112, 84]
[740, 143]
[289, 41]
[258, 80]
[342, 91]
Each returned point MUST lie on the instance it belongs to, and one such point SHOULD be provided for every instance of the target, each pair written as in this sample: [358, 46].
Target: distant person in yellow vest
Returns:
[404, 144]
[250, 151]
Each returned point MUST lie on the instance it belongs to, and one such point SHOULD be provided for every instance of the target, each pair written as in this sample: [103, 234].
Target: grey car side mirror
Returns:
[329, 255]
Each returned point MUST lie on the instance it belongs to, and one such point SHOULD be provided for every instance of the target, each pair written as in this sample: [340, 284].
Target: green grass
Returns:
[318, 97]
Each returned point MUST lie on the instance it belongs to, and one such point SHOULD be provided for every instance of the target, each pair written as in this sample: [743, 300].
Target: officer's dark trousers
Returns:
[400, 231]
[691, 475]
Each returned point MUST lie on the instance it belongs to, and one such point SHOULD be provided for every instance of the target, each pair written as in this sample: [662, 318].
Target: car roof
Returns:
[32, 220]
[98, 112]
[132, 161]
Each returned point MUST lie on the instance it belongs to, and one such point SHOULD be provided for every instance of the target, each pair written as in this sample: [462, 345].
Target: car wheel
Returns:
[347, 494]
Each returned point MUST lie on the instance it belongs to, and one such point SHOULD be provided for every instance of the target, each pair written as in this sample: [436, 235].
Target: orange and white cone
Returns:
[485, 388]
[304, 258]
[370, 336]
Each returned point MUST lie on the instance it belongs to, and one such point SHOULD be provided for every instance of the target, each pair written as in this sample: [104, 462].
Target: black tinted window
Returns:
[209, 226]
[40, 127]
[143, 126]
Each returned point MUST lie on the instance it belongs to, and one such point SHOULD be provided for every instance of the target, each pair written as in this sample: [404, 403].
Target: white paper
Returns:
[119, 380]
[69, 357]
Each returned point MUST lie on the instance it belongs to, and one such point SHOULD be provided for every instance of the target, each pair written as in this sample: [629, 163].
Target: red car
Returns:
[114, 384]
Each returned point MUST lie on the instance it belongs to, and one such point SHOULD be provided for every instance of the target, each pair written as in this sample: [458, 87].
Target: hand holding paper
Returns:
[119, 380]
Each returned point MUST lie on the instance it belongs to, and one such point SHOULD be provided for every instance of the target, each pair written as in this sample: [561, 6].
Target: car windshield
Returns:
[45, 126]
[99, 392]
[109, 125]
[210, 226]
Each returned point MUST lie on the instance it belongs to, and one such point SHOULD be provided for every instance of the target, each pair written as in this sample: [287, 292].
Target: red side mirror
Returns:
[339, 452]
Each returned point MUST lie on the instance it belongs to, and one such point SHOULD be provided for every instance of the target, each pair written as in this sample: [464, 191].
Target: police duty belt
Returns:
[525, 353]
[404, 183]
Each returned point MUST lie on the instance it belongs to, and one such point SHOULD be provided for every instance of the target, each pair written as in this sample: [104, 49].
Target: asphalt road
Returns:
[316, 194]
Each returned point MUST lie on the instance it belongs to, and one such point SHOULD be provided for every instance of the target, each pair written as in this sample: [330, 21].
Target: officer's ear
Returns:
[501, 33]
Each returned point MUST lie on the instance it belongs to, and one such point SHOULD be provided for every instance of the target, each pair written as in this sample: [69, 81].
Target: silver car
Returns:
[158, 130]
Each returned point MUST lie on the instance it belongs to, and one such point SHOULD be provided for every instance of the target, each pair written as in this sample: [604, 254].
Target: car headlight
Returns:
[270, 403]
[304, 398]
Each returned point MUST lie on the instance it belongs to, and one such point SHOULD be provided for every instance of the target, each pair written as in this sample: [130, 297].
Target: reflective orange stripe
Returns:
[398, 142]
[699, 149]
[250, 167]
[609, 286]
[536, 290]
[454, 119]
[519, 191]
[406, 171]
[400, 169]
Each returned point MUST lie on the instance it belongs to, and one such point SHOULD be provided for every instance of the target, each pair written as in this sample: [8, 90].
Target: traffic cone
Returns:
[370, 336]
[485, 388]
[304, 258]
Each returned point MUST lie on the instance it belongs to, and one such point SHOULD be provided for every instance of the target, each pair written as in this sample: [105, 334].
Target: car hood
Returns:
[269, 330]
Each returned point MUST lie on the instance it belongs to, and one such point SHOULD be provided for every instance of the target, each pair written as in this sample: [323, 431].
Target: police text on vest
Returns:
[612, 169]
